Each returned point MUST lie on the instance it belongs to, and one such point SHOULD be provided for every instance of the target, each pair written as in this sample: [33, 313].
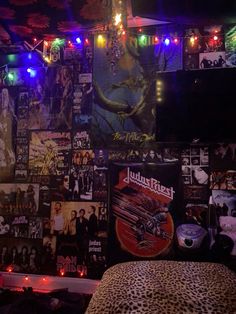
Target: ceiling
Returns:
[23, 19]
[26, 19]
[187, 11]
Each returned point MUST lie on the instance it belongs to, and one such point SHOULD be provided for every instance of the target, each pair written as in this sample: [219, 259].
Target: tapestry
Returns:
[144, 210]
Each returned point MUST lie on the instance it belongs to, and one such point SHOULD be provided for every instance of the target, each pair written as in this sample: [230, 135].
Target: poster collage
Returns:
[58, 148]
[209, 47]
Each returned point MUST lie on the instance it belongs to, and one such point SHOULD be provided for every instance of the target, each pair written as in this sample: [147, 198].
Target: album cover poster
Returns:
[212, 60]
[21, 175]
[100, 159]
[82, 101]
[51, 99]
[81, 140]
[100, 188]
[22, 159]
[82, 157]
[97, 257]
[230, 45]
[22, 255]
[75, 224]
[44, 194]
[124, 105]
[19, 199]
[191, 62]
[223, 156]
[196, 193]
[145, 205]
[48, 257]
[225, 202]
[7, 133]
[196, 213]
[5, 222]
[19, 227]
[49, 153]
[35, 228]
[85, 180]
[223, 180]
[61, 188]
[195, 165]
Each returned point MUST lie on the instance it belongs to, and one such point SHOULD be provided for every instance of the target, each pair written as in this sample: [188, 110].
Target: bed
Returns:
[165, 287]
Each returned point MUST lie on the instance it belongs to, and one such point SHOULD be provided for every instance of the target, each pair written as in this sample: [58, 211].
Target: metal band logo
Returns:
[148, 183]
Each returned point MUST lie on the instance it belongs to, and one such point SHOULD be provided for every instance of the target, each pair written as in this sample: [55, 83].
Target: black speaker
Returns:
[187, 11]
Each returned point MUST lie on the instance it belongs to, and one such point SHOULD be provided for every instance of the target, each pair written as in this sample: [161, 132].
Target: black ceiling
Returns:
[187, 11]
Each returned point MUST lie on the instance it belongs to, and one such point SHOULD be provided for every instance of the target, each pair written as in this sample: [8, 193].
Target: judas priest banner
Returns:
[145, 205]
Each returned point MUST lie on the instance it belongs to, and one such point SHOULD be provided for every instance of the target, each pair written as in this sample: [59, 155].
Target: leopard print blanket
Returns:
[149, 287]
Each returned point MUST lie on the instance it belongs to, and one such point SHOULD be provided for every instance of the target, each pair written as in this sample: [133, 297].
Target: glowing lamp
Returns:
[26, 278]
[78, 40]
[11, 58]
[29, 56]
[31, 72]
[176, 40]
[86, 41]
[35, 39]
[156, 39]
[10, 76]
[159, 99]
[9, 269]
[101, 41]
[62, 272]
[167, 41]
[215, 38]
[123, 33]
[143, 40]
[117, 19]
[140, 30]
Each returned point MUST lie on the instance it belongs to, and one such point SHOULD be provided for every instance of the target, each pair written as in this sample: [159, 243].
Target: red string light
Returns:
[62, 272]
[9, 269]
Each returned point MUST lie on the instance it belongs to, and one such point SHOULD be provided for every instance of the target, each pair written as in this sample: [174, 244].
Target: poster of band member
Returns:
[124, 89]
[59, 96]
[49, 153]
[19, 199]
[80, 229]
[22, 255]
[7, 122]
[145, 205]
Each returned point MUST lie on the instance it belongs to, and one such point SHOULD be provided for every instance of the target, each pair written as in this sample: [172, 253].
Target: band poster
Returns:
[49, 153]
[143, 210]
[124, 89]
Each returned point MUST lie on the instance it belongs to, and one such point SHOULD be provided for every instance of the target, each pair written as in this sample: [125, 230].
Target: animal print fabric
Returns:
[165, 287]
